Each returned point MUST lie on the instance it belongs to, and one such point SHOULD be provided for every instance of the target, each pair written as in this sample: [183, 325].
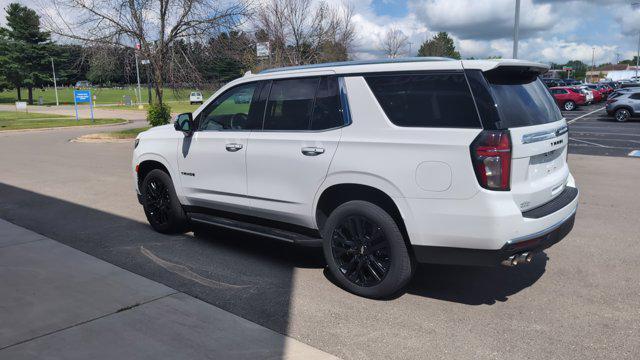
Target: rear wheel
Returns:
[569, 105]
[622, 115]
[365, 250]
[161, 205]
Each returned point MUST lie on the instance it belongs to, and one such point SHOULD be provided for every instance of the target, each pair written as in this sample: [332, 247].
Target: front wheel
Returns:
[161, 205]
[569, 106]
[365, 250]
[622, 115]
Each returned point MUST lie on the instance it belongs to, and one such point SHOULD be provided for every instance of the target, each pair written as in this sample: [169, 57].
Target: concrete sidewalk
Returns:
[59, 303]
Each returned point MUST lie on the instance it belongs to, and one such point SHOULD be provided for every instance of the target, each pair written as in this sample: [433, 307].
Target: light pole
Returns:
[635, 6]
[516, 27]
[55, 84]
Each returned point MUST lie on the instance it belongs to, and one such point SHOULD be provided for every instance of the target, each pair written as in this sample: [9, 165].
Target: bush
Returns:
[159, 114]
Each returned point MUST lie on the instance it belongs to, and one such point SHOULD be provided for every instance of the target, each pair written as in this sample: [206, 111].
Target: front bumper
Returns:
[482, 257]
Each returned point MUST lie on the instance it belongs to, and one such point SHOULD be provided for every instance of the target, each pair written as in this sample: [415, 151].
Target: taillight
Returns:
[491, 157]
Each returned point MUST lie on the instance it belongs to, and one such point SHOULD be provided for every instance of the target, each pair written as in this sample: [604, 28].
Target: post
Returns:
[516, 28]
[55, 84]
[638, 57]
[91, 105]
[75, 104]
[138, 76]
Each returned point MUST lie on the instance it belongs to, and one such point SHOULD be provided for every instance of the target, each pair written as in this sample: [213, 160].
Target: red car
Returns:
[568, 98]
[599, 92]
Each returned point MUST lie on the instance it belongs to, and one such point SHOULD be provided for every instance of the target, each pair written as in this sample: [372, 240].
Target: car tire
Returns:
[622, 115]
[569, 105]
[161, 205]
[365, 250]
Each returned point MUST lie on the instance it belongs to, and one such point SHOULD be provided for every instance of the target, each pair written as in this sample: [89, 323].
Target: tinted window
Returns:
[230, 111]
[290, 104]
[521, 98]
[426, 100]
[635, 96]
[327, 110]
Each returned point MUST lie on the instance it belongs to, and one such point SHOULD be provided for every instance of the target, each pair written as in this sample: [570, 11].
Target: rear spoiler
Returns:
[507, 65]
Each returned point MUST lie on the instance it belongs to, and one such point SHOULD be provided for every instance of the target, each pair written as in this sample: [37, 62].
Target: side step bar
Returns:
[257, 229]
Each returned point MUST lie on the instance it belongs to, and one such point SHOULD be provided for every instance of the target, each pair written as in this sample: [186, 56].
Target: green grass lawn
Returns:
[178, 107]
[11, 120]
[103, 95]
[128, 133]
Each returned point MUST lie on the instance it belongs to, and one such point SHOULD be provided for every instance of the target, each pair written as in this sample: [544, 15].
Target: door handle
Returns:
[312, 151]
[233, 147]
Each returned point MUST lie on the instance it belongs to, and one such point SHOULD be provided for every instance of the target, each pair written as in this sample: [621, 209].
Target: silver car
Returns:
[623, 105]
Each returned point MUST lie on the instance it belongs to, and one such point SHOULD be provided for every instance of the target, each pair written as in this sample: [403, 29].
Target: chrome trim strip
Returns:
[545, 231]
[544, 135]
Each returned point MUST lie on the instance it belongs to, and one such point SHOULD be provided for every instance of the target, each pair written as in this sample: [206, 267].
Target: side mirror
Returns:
[184, 123]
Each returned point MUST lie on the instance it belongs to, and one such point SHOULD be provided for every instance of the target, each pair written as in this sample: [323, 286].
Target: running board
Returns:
[257, 229]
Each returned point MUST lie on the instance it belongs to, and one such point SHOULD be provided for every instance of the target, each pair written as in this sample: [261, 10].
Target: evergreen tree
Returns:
[439, 45]
[26, 50]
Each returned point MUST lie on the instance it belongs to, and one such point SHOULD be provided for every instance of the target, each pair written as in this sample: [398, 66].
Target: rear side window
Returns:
[290, 104]
[521, 98]
[635, 96]
[426, 100]
[327, 110]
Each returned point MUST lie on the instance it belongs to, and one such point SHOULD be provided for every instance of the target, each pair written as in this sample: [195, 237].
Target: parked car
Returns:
[195, 97]
[587, 93]
[384, 164]
[568, 98]
[571, 82]
[553, 82]
[624, 105]
[598, 94]
[82, 84]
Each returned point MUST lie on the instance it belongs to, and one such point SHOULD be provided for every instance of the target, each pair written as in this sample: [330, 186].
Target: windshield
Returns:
[521, 98]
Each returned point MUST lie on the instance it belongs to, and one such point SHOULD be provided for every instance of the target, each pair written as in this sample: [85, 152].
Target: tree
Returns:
[153, 27]
[394, 42]
[305, 31]
[27, 50]
[439, 45]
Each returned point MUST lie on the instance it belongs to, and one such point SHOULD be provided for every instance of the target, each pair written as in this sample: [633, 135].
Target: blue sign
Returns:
[82, 96]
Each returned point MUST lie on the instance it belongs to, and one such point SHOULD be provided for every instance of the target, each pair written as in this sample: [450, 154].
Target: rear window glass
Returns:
[521, 98]
[426, 100]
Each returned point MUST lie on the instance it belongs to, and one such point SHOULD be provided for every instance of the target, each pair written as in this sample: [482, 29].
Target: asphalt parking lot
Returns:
[592, 132]
[578, 299]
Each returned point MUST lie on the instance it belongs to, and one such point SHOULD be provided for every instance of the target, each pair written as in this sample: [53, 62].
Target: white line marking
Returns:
[622, 140]
[588, 142]
[581, 116]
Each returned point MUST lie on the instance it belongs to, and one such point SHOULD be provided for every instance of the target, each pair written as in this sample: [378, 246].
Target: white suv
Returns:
[384, 164]
[195, 97]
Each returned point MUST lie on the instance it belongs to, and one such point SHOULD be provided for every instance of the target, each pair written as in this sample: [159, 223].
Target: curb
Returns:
[65, 127]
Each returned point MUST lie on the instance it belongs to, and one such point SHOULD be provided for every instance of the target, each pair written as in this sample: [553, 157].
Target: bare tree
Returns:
[158, 26]
[394, 42]
[305, 31]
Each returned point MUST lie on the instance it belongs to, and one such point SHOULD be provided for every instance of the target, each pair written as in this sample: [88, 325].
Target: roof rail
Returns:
[357, 62]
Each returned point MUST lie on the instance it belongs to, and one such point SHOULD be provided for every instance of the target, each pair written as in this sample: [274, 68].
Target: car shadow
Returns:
[248, 275]
[473, 285]
[469, 285]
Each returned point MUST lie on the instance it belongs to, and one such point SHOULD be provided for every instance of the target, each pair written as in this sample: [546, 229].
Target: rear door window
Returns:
[327, 112]
[290, 104]
[425, 99]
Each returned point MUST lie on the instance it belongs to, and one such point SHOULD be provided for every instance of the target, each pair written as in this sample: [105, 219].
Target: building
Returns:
[612, 72]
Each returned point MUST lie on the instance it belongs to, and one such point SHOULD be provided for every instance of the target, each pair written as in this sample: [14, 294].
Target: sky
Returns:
[550, 30]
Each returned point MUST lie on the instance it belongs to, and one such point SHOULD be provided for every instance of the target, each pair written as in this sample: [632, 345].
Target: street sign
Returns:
[565, 68]
[21, 105]
[262, 49]
[82, 96]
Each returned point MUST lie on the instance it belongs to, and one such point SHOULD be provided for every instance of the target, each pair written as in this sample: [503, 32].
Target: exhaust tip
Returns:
[525, 257]
[510, 261]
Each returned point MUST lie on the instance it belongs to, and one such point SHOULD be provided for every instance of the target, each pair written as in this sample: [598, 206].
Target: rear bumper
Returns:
[481, 257]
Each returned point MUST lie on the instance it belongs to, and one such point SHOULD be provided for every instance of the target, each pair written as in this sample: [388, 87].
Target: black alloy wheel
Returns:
[361, 251]
[365, 250]
[161, 204]
[158, 201]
